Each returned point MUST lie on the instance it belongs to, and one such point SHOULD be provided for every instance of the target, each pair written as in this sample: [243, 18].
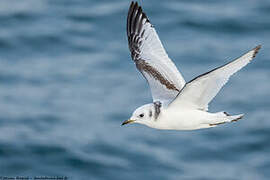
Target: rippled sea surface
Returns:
[67, 82]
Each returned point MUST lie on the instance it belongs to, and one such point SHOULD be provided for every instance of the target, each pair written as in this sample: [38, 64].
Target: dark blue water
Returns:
[67, 82]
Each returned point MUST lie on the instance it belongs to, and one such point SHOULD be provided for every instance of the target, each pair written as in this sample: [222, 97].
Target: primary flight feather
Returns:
[176, 104]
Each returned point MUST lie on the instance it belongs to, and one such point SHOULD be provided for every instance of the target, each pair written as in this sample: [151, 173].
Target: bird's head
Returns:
[142, 115]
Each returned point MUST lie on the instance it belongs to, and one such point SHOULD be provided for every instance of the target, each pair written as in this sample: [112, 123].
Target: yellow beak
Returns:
[128, 122]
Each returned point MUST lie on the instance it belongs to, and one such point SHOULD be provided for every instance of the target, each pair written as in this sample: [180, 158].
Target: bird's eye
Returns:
[141, 115]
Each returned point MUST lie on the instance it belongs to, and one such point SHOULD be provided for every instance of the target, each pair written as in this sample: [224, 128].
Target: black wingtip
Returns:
[135, 18]
[132, 4]
[256, 50]
[136, 3]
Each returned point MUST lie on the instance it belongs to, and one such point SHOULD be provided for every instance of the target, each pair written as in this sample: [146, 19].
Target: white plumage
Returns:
[199, 92]
[176, 104]
[149, 55]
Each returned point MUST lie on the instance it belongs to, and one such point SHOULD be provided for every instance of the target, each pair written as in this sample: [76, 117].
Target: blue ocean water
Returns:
[67, 82]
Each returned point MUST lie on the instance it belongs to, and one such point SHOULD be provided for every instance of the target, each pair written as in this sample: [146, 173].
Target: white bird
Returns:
[176, 105]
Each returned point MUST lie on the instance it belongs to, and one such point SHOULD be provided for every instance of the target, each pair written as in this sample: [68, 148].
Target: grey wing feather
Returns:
[200, 91]
[150, 57]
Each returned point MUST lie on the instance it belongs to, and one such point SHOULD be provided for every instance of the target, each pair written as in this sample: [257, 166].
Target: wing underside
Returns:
[150, 57]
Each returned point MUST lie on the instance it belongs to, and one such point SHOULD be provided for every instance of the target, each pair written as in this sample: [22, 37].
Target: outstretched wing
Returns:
[150, 57]
[199, 92]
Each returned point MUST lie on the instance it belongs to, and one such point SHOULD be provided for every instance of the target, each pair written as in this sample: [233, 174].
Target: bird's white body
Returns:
[189, 119]
[176, 104]
[183, 119]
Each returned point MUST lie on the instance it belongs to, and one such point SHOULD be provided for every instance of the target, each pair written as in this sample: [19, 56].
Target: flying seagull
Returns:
[176, 104]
